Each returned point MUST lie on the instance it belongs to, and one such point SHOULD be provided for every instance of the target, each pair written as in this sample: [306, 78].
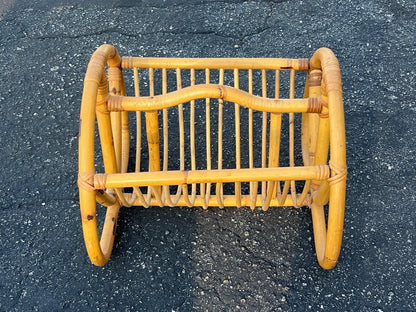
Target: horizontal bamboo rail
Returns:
[176, 177]
[215, 63]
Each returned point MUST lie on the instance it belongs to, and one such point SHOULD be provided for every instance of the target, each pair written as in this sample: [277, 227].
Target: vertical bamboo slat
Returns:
[292, 134]
[219, 186]
[192, 135]
[165, 123]
[152, 129]
[181, 125]
[165, 188]
[208, 137]
[125, 141]
[136, 192]
[253, 185]
[237, 140]
[274, 145]
[277, 120]
[116, 130]
[264, 136]
[138, 121]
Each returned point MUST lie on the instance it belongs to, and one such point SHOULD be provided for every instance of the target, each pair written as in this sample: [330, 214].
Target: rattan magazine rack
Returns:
[212, 132]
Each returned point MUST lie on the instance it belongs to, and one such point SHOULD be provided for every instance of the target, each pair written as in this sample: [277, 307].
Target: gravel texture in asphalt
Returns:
[182, 259]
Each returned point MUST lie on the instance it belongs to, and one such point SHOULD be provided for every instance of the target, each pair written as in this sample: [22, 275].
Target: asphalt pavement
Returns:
[182, 259]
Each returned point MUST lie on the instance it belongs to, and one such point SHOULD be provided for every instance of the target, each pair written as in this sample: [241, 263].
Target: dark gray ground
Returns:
[181, 259]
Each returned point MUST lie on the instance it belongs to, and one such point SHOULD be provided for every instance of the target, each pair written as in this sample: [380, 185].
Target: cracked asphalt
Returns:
[182, 259]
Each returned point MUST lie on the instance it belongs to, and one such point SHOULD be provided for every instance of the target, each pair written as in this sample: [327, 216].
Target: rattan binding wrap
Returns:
[205, 97]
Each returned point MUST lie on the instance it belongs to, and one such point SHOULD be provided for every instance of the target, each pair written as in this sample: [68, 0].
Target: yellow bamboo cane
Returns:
[322, 136]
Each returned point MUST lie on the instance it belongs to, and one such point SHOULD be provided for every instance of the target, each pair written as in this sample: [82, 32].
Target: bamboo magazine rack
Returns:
[212, 132]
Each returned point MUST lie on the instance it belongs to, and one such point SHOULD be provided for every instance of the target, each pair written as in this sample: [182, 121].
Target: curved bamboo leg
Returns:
[328, 238]
[99, 250]
[94, 99]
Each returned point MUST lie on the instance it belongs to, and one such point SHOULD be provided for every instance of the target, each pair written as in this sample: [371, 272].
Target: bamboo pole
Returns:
[138, 121]
[292, 135]
[219, 186]
[328, 237]
[208, 138]
[237, 185]
[165, 189]
[152, 128]
[227, 93]
[253, 185]
[104, 128]
[216, 63]
[98, 251]
[192, 136]
[183, 188]
[310, 122]
[118, 120]
[177, 177]
[274, 145]
[264, 136]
